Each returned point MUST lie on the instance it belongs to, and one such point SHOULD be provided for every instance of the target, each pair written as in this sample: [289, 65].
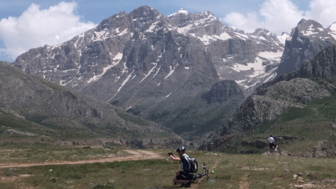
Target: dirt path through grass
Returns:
[244, 184]
[135, 155]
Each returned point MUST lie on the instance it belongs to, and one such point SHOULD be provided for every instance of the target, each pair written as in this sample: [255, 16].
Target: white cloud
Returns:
[281, 16]
[37, 27]
[322, 11]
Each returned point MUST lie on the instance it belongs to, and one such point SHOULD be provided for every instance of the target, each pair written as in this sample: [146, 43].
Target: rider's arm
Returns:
[175, 158]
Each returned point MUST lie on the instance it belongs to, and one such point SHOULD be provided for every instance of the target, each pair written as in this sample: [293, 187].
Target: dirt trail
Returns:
[135, 155]
[244, 184]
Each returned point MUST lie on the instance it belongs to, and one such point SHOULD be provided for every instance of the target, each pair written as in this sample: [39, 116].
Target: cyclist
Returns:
[271, 143]
[184, 176]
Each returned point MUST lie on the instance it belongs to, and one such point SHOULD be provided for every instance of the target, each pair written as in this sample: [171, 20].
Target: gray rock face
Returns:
[322, 66]
[307, 39]
[268, 103]
[223, 91]
[152, 65]
[294, 89]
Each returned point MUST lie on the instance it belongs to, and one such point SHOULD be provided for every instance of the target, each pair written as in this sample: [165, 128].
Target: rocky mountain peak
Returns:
[112, 22]
[144, 18]
[265, 34]
[206, 17]
[197, 23]
[182, 13]
[262, 31]
[309, 27]
[145, 13]
[306, 40]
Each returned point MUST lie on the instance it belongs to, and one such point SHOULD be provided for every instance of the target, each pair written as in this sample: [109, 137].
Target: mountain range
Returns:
[189, 72]
[160, 68]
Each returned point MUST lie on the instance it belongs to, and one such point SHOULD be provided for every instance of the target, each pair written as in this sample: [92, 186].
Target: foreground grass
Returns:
[230, 171]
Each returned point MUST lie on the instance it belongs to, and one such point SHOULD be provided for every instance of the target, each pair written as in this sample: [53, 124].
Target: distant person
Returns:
[272, 144]
[184, 176]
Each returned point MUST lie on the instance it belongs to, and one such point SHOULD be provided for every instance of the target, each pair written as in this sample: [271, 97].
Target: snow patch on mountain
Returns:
[172, 70]
[153, 27]
[312, 30]
[168, 95]
[125, 81]
[206, 18]
[282, 38]
[100, 35]
[157, 71]
[242, 36]
[207, 39]
[149, 72]
[256, 71]
[115, 60]
[80, 37]
[257, 67]
[271, 55]
[183, 30]
[121, 33]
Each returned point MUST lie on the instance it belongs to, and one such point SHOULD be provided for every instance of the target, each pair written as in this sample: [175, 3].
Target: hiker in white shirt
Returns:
[271, 143]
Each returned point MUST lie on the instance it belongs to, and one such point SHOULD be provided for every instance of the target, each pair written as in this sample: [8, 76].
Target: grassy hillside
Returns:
[308, 131]
[298, 108]
[209, 117]
[230, 171]
[14, 129]
[32, 108]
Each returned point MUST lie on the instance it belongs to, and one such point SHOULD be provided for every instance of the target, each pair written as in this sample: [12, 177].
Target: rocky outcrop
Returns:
[223, 91]
[295, 89]
[323, 149]
[313, 81]
[268, 103]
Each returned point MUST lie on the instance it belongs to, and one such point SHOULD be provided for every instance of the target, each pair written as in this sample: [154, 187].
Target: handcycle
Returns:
[272, 150]
[196, 177]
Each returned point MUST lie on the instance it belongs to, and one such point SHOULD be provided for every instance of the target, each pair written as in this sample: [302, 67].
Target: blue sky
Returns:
[26, 24]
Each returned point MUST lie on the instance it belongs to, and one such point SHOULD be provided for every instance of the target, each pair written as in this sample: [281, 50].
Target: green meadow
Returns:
[229, 170]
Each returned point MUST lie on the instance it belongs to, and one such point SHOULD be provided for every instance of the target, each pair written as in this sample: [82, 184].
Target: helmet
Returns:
[181, 149]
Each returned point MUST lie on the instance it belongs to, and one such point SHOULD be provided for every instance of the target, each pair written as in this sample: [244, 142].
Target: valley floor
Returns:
[93, 168]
